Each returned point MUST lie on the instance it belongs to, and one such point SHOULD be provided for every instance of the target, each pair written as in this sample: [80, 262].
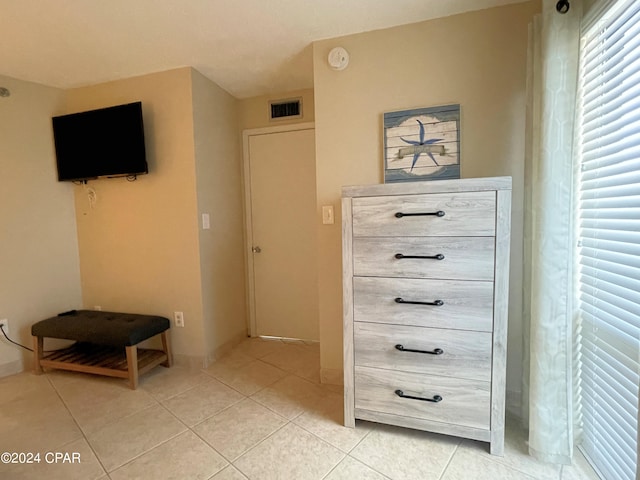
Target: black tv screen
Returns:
[108, 142]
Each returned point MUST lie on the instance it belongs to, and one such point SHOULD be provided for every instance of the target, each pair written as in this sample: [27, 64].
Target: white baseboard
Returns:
[193, 362]
[11, 368]
[331, 376]
[514, 403]
[223, 349]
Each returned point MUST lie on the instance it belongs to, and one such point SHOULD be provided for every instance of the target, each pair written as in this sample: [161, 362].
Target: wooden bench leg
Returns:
[132, 365]
[38, 346]
[166, 347]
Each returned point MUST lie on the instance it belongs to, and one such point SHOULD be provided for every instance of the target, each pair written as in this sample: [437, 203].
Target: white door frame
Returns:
[246, 176]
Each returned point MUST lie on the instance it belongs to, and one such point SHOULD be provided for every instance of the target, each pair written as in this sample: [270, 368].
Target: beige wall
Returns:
[219, 193]
[254, 112]
[142, 248]
[475, 59]
[39, 250]
[139, 249]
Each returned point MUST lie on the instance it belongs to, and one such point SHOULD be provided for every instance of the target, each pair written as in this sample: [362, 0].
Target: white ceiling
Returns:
[248, 47]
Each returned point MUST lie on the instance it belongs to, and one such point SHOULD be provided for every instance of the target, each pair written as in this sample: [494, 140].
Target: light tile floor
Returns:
[258, 413]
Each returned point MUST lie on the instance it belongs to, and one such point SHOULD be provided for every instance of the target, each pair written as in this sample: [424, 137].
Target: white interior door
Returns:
[282, 183]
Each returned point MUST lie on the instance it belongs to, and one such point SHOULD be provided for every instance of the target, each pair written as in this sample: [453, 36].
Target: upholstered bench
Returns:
[106, 343]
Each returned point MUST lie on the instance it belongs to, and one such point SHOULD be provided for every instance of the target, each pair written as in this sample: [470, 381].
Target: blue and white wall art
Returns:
[422, 144]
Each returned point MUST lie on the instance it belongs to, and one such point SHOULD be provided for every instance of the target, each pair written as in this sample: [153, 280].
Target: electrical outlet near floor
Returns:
[178, 319]
[4, 323]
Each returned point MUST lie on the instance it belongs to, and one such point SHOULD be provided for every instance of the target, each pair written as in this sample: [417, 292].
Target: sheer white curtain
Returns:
[549, 238]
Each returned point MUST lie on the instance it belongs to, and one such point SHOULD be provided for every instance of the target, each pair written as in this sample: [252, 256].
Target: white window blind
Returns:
[609, 249]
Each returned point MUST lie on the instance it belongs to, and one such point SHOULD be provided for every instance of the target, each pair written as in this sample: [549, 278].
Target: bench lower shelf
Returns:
[128, 362]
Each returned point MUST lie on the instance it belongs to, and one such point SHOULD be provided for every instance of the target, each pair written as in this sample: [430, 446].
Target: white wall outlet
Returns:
[97, 307]
[178, 319]
[5, 325]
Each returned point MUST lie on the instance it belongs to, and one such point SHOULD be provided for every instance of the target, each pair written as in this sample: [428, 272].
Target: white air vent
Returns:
[285, 109]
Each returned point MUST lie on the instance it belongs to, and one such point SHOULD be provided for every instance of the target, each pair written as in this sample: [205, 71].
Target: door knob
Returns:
[256, 249]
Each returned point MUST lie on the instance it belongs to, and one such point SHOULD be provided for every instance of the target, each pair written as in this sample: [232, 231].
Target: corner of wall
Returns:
[218, 163]
[39, 254]
[142, 236]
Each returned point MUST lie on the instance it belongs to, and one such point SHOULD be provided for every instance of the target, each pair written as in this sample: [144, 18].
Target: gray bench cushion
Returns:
[102, 328]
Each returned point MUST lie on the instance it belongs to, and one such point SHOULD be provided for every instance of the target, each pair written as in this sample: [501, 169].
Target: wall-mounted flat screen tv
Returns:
[108, 142]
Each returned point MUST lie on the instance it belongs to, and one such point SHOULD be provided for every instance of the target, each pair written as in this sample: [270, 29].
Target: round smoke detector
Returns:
[338, 58]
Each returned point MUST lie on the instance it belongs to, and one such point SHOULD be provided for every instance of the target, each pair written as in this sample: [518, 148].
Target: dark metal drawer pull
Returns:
[439, 256]
[437, 351]
[435, 399]
[439, 213]
[436, 303]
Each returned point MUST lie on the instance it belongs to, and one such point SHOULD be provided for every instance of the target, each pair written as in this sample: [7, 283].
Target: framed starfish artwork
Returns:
[422, 144]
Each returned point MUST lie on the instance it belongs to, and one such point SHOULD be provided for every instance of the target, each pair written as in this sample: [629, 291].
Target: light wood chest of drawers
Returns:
[426, 286]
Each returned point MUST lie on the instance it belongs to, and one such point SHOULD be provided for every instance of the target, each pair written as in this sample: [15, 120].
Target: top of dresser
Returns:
[432, 186]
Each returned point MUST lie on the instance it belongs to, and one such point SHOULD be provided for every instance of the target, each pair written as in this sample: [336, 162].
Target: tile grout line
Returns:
[497, 460]
[373, 429]
[155, 446]
[145, 452]
[213, 415]
[259, 390]
[188, 389]
[255, 446]
[287, 420]
[249, 397]
[446, 467]
[245, 397]
[513, 463]
[191, 429]
[82, 432]
[230, 463]
[369, 466]
[347, 453]
[157, 402]
[334, 467]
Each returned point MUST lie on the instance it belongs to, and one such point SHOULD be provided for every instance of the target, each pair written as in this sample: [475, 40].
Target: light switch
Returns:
[327, 215]
[206, 224]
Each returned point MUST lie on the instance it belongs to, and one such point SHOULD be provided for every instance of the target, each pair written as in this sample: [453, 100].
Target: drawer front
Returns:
[449, 353]
[466, 213]
[464, 402]
[465, 305]
[465, 258]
